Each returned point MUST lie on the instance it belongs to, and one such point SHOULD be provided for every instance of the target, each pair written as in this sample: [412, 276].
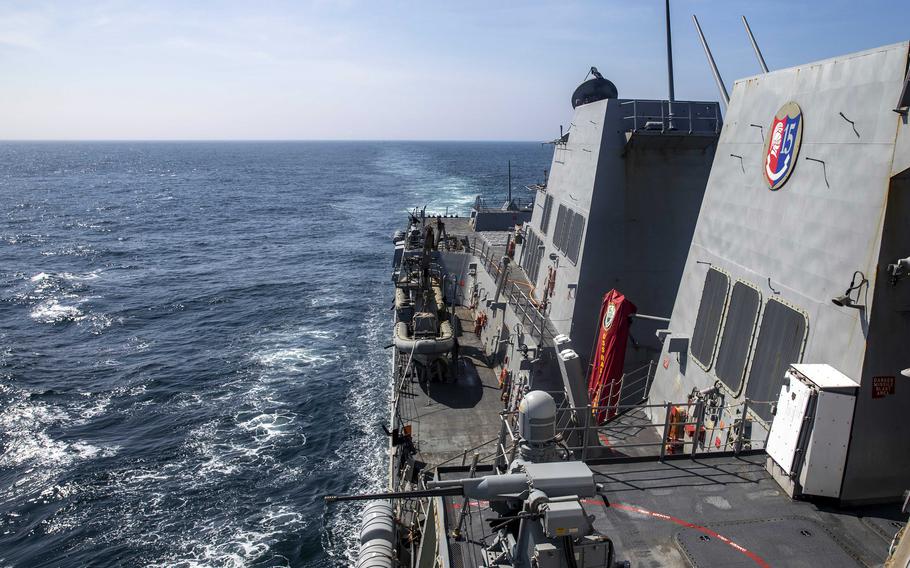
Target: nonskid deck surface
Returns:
[630, 434]
[449, 418]
[727, 511]
[709, 512]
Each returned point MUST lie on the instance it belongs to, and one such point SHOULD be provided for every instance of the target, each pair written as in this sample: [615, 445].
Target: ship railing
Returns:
[482, 450]
[490, 258]
[672, 116]
[484, 204]
[525, 307]
[692, 428]
[487, 255]
[529, 313]
[633, 386]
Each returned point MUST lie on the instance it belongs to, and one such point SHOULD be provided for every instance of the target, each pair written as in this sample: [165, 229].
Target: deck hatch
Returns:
[737, 334]
[710, 310]
[781, 337]
[775, 541]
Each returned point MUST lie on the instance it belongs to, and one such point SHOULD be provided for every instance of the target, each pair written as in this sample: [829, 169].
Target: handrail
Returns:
[480, 203]
[725, 431]
[477, 447]
[673, 116]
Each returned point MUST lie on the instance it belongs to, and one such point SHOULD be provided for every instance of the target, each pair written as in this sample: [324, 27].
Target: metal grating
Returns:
[533, 252]
[780, 343]
[710, 310]
[567, 236]
[576, 229]
[545, 217]
[563, 218]
[739, 329]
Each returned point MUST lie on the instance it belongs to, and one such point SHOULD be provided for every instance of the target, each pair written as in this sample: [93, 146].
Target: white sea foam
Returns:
[30, 449]
[57, 299]
[321, 334]
[267, 426]
[44, 276]
[218, 538]
[362, 456]
[292, 358]
[94, 406]
[52, 311]
[327, 300]
[439, 191]
[251, 425]
[229, 544]
[100, 322]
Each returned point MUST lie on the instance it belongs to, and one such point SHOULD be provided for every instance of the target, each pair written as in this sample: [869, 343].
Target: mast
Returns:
[720, 82]
[761, 60]
[510, 183]
[669, 53]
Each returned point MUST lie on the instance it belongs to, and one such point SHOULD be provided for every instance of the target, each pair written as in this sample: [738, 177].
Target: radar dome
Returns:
[592, 90]
[537, 417]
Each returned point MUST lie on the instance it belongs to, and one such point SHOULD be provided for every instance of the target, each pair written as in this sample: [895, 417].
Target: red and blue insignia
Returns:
[782, 145]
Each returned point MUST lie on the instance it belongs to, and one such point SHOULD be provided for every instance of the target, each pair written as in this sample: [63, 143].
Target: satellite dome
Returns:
[594, 89]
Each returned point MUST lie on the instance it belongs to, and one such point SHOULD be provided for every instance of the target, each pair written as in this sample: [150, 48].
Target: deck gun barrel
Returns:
[560, 479]
[490, 487]
[394, 495]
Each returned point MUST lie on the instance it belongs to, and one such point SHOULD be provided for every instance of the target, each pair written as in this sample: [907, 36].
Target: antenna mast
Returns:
[510, 183]
[669, 53]
[761, 60]
[720, 82]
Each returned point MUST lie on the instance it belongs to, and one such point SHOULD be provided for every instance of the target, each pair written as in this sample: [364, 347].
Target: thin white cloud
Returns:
[363, 69]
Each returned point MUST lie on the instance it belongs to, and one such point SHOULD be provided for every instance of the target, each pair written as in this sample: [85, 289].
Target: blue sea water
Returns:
[192, 341]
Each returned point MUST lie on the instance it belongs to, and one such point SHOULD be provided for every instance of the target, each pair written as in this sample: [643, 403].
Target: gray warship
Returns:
[689, 349]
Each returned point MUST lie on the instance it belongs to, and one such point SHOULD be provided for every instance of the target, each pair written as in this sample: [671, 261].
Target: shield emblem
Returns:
[608, 318]
[782, 145]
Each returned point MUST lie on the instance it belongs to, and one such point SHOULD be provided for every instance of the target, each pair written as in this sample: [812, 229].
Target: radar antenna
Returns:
[670, 57]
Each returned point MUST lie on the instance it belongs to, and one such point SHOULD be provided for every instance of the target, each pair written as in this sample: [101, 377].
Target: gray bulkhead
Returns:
[639, 192]
[844, 209]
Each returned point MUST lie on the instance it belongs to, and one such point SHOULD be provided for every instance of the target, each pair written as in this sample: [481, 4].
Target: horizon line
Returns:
[267, 140]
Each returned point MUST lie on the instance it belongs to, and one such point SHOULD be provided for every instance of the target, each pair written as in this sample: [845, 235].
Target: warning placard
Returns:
[882, 386]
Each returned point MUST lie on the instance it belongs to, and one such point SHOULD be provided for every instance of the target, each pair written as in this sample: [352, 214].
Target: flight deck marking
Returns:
[662, 516]
[635, 509]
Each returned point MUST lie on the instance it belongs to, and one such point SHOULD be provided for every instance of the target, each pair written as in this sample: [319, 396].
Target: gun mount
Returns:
[541, 516]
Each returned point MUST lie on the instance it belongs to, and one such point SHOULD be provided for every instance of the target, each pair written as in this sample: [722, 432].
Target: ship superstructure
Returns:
[806, 269]
[688, 352]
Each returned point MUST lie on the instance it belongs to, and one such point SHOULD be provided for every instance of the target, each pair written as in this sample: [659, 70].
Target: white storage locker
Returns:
[810, 433]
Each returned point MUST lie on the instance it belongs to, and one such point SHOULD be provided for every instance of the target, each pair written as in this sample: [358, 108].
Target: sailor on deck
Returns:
[440, 232]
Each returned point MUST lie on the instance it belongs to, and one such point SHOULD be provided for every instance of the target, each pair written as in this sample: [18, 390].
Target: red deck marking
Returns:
[623, 507]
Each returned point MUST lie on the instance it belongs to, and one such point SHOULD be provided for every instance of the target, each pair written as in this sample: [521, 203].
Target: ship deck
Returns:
[452, 420]
[718, 511]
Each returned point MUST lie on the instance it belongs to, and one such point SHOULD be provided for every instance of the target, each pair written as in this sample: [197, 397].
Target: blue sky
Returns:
[346, 69]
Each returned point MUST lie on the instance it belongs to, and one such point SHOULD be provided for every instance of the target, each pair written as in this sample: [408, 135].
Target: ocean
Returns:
[192, 341]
